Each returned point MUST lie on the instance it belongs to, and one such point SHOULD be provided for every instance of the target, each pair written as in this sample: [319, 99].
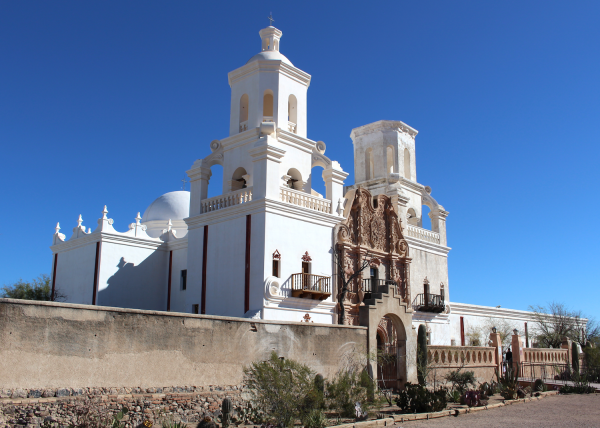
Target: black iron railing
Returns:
[426, 302]
[371, 285]
[311, 286]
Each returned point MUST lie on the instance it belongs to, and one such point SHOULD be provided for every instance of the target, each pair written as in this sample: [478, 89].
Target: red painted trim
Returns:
[54, 277]
[526, 336]
[247, 277]
[169, 287]
[204, 257]
[462, 331]
[96, 273]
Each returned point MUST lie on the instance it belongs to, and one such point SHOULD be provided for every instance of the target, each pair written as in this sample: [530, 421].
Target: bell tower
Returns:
[268, 88]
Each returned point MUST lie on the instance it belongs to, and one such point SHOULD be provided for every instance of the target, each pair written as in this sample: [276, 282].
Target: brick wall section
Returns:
[186, 406]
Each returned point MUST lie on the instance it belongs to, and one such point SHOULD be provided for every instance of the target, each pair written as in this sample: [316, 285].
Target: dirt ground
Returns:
[553, 411]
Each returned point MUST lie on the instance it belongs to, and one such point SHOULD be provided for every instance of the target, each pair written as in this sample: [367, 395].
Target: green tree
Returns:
[38, 288]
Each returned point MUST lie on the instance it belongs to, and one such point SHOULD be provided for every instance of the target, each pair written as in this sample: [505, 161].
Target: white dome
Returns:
[172, 205]
[270, 55]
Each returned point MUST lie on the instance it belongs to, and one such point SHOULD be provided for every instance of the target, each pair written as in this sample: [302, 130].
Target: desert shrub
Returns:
[453, 396]
[277, 387]
[418, 399]
[171, 423]
[577, 389]
[347, 388]
[591, 368]
[540, 386]
[315, 419]
[461, 380]
[509, 381]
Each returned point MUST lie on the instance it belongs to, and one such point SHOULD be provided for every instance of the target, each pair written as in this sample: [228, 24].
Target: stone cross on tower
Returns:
[270, 18]
[184, 181]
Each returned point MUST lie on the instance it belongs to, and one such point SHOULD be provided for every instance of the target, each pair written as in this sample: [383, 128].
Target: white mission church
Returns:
[264, 248]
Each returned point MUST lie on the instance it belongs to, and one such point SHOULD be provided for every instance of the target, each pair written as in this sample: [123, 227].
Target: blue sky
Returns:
[110, 102]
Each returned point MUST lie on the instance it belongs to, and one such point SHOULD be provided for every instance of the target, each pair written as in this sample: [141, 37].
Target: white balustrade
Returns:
[305, 200]
[227, 200]
[292, 127]
[268, 119]
[422, 234]
[243, 126]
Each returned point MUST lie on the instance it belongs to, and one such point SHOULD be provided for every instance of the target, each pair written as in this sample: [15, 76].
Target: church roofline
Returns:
[383, 125]
[254, 67]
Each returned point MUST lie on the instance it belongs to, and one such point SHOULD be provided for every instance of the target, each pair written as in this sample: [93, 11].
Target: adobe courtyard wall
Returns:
[81, 349]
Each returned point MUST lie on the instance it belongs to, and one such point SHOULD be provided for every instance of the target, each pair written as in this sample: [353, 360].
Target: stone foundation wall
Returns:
[58, 346]
[187, 407]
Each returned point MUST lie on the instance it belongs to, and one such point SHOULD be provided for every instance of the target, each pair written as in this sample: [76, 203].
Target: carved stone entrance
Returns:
[380, 299]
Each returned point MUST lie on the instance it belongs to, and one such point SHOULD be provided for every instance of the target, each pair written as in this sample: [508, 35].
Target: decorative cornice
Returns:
[491, 312]
[294, 140]
[269, 66]
[383, 125]
[426, 246]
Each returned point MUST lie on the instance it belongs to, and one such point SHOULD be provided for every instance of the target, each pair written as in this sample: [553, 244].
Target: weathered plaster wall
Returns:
[52, 345]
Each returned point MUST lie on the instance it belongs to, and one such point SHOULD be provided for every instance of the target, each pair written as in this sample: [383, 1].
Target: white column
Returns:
[334, 178]
[266, 157]
[438, 223]
[399, 201]
[199, 178]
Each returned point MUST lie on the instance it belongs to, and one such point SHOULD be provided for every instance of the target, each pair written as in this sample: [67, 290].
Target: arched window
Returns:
[407, 164]
[411, 217]
[244, 101]
[390, 159]
[292, 113]
[238, 179]
[369, 164]
[295, 179]
[425, 218]
[268, 106]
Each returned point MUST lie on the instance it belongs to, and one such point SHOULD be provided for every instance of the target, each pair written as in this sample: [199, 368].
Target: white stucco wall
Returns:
[132, 277]
[75, 273]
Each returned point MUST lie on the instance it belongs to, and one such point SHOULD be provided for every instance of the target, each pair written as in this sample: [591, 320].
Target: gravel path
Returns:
[553, 411]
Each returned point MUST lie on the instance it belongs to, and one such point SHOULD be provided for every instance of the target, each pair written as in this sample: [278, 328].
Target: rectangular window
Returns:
[276, 268]
[184, 279]
[195, 308]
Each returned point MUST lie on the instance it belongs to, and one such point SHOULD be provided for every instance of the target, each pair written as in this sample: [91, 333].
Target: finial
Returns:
[104, 212]
[57, 228]
[79, 221]
[137, 220]
[184, 181]
[169, 226]
[270, 18]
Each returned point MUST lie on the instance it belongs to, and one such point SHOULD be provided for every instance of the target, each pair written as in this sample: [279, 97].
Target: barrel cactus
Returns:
[226, 412]
[422, 354]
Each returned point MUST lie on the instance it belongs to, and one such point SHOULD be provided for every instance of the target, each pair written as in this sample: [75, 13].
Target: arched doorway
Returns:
[391, 353]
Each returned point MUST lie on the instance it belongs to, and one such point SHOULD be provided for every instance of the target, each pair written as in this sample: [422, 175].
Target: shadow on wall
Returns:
[142, 286]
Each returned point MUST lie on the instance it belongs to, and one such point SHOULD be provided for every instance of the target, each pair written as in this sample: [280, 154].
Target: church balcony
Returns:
[292, 127]
[311, 286]
[426, 302]
[243, 126]
[305, 200]
[422, 234]
[227, 200]
[268, 119]
[372, 285]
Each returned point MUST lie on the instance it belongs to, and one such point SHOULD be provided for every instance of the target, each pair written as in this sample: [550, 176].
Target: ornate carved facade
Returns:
[372, 230]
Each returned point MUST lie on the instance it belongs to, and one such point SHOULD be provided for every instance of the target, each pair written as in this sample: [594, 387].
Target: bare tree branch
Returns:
[347, 274]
